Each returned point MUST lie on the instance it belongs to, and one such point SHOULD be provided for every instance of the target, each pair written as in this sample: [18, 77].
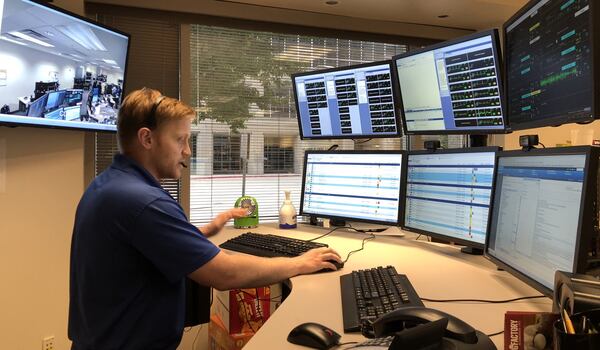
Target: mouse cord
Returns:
[259, 306]
[263, 299]
[483, 300]
[495, 334]
[347, 343]
[196, 337]
[370, 237]
[241, 305]
[328, 233]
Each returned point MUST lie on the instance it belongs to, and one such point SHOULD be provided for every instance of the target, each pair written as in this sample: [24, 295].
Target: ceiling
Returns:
[467, 14]
[62, 35]
[463, 14]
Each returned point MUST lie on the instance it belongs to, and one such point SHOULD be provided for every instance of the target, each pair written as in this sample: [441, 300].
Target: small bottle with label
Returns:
[287, 213]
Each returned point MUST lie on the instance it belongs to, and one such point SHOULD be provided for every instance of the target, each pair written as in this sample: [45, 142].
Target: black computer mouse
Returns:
[314, 335]
[338, 265]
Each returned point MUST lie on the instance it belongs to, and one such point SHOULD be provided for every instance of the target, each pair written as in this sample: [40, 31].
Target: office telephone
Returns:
[418, 327]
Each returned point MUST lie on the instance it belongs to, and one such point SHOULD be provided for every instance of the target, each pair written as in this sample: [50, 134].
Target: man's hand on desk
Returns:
[220, 220]
[318, 259]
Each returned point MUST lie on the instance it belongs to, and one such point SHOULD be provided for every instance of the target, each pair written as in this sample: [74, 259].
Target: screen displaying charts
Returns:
[549, 57]
[353, 185]
[449, 194]
[346, 102]
[452, 87]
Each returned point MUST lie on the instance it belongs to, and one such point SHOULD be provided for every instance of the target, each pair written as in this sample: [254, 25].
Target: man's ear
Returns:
[144, 136]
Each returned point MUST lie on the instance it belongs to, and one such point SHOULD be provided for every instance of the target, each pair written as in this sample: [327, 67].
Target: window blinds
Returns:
[153, 62]
[242, 91]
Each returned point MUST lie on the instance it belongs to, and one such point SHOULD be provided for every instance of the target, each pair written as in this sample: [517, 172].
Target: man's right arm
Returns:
[230, 271]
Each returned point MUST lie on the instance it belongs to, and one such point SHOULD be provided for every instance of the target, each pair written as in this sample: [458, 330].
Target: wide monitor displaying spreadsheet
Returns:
[543, 212]
[448, 193]
[452, 87]
[346, 102]
[550, 54]
[353, 185]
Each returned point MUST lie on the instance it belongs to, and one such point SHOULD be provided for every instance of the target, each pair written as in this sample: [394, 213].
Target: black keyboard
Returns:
[368, 294]
[269, 245]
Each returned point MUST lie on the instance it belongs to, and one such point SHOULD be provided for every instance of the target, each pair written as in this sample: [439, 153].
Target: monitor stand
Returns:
[366, 227]
[478, 140]
[472, 250]
[337, 222]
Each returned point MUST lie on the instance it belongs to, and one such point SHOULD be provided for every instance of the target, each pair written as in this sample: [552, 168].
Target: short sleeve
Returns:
[165, 237]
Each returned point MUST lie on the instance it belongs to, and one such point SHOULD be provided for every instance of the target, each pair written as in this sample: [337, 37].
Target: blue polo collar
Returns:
[128, 165]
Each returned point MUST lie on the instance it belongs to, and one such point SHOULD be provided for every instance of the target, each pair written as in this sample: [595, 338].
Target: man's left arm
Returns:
[213, 227]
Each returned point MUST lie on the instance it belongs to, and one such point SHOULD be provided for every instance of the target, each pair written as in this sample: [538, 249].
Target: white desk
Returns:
[436, 271]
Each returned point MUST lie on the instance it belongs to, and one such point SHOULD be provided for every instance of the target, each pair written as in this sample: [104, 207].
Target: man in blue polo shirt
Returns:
[133, 245]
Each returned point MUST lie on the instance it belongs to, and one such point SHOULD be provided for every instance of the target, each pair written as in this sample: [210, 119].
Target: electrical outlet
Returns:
[48, 343]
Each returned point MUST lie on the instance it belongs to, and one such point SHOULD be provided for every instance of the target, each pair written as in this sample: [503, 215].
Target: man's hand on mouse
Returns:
[317, 259]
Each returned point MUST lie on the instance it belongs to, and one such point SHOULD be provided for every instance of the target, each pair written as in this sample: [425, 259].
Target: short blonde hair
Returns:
[147, 108]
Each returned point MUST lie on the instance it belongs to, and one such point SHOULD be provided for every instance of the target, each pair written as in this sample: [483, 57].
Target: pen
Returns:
[591, 328]
[568, 324]
[583, 324]
[562, 320]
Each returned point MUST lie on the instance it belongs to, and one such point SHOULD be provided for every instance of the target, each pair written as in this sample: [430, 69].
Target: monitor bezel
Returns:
[342, 68]
[560, 120]
[348, 218]
[77, 127]
[467, 243]
[586, 221]
[499, 74]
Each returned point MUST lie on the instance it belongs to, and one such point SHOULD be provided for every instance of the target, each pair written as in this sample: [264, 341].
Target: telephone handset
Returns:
[418, 327]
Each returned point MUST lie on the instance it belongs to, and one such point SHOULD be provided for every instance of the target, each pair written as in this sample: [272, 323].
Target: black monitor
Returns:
[549, 54]
[346, 102]
[44, 49]
[452, 87]
[544, 213]
[448, 194]
[353, 185]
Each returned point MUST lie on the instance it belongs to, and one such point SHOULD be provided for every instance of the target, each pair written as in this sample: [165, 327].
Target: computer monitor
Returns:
[74, 97]
[44, 48]
[353, 185]
[55, 99]
[549, 59]
[448, 194]
[544, 213]
[36, 108]
[346, 102]
[452, 87]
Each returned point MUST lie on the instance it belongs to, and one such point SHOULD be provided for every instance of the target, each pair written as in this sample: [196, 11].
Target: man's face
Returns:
[171, 148]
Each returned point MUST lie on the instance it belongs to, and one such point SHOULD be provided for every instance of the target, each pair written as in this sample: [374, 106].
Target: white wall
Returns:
[573, 134]
[42, 171]
[25, 66]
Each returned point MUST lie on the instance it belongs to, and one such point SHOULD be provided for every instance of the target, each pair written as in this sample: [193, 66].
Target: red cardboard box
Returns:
[528, 330]
[246, 310]
[220, 339]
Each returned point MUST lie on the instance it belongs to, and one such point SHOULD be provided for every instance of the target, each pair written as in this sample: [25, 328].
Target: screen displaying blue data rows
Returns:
[449, 194]
[537, 208]
[353, 186]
